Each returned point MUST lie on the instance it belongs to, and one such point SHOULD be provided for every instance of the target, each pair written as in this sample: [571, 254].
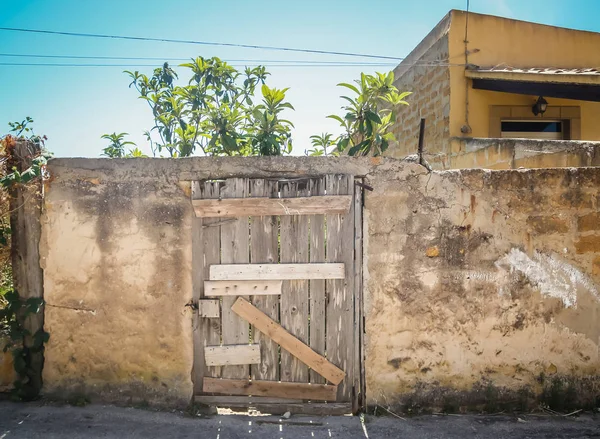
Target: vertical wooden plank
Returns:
[359, 391]
[317, 287]
[204, 255]
[234, 249]
[348, 236]
[264, 233]
[197, 292]
[340, 292]
[28, 278]
[294, 296]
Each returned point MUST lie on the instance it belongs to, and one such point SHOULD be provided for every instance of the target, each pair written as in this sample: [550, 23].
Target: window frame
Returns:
[569, 115]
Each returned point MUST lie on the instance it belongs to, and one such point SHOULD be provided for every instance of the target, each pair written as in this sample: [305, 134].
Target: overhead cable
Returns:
[204, 43]
[333, 64]
[154, 65]
[166, 58]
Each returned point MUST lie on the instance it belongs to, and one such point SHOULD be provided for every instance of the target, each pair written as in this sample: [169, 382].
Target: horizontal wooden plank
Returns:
[232, 354]
[233, 207]
[287, 341]
[241, 401]
[276, 271]
[242, 287]
[313, 392]
[208, 308]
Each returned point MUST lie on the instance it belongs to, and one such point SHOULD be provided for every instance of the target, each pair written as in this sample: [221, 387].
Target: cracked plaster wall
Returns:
[117, 261]
[482, 282]
[472, 279]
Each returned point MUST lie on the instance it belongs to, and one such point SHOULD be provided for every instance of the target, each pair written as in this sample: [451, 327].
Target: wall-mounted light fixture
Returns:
[540, 106]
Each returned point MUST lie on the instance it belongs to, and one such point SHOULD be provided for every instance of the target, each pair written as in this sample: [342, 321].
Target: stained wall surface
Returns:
[483, 286]
[116, 256]
[478, 285]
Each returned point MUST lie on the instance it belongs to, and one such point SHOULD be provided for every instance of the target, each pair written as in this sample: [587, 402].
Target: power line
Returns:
[204, 43]
[154, 65]
[267, 62]
[163, 59]
[304, 65]
[21, 55]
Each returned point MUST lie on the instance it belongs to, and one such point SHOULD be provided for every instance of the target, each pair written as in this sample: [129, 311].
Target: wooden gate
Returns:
[277, 279]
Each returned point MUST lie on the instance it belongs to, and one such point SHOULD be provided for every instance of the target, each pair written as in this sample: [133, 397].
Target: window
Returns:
[533, 129]
[569, 119]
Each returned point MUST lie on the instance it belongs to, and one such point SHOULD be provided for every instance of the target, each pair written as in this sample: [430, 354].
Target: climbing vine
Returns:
[15, 310]
[13, 315]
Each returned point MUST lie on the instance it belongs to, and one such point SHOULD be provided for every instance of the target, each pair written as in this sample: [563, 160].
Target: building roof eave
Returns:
[538, 75]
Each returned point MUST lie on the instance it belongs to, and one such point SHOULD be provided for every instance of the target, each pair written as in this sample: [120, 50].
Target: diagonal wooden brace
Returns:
[287, 341]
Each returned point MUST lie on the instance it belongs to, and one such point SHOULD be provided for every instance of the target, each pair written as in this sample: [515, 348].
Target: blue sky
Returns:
[74, 106]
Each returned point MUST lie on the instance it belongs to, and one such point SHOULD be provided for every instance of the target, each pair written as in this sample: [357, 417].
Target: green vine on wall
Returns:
[14, 309]
[13, 315]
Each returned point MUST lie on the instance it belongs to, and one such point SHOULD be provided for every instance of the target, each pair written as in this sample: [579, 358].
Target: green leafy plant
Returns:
[321, 144]
[12, 315]
[18, 129]
[117, 144]
[8, 177]
[136, 152]
[23, 131]
[214, 113]
[15, 310]
[267, 133]
[370, 115]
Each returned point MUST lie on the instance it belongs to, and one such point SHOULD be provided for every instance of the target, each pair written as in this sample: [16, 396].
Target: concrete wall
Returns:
[483, 288]
[425, 74]
[116, 256]
[479, 285]
[467, 153]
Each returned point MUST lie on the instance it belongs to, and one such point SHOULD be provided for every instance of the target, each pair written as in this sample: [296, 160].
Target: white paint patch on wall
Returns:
[554, 278]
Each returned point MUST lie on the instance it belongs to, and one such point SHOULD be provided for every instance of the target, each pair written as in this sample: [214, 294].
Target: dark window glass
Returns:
[531, 127]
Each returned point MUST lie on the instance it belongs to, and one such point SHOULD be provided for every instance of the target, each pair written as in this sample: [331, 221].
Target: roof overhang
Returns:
[578, 86]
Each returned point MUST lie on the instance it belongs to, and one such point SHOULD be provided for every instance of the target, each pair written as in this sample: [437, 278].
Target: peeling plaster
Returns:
[554, 278]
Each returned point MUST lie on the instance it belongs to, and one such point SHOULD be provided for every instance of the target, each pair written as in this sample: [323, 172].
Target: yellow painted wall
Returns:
[516, 44]
[459, 272]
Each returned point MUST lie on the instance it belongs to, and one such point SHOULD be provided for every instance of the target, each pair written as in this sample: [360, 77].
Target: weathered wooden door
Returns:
[277, 280]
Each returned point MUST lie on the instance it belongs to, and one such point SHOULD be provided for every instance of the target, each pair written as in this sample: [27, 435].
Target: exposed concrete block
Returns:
[589, 222]
[588, 244]
[544, 225]
[596, 266]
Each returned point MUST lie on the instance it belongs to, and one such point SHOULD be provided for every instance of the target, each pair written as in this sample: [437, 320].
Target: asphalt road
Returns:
[38, 420]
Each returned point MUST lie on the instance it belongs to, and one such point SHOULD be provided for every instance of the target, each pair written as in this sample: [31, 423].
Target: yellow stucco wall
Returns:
[521, 44]
[456, 310]
[117, 260]
[474, 282]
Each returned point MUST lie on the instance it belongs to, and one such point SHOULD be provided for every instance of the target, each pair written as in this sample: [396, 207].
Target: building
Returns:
[481, 81]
